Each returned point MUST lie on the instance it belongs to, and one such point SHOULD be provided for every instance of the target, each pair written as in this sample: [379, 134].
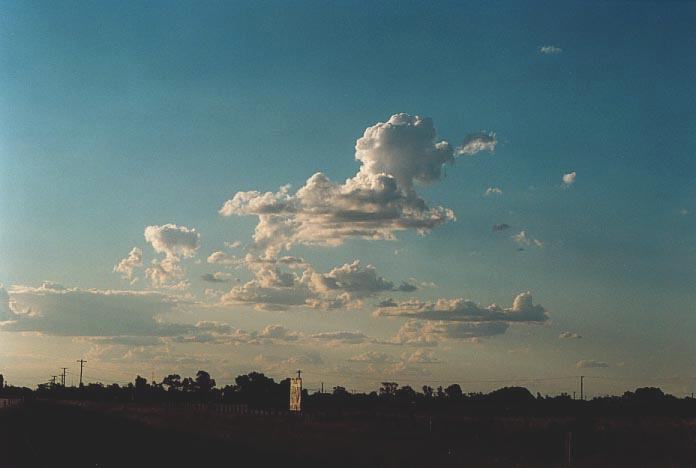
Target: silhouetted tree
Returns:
[140, 384]
[188, 385]
[388, 388]
[204, 383]
[406, 393]
[172, 382]
[454, 391]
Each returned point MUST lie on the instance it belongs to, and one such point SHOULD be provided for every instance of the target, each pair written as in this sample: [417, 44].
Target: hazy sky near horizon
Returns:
[350, 188]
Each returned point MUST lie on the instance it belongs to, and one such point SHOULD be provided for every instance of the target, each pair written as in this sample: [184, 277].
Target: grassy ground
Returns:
[44, 434]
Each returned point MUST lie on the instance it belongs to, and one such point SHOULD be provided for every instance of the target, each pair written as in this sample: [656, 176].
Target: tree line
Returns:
[257, 390]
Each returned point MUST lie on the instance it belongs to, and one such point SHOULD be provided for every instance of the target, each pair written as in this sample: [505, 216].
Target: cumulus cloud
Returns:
[569, 178]
[460, 310]
[275, 289]
[278, 332]
[590, 363]
[126, 340]
[569, 335]
[222, 258]
[352, 278]
[281, 363]
[6, 312]
[477, 142]
[493, 191]
[166, 273]
[90, 312]
[407, 286]
[373, 357]
[216, 333]
[341, 337]
[175, 242]
[421, 356]
[550, 50]
[217, 277]
[128, 264]
[523, 239]
[430, 333]
[377, 202]
[312, 358]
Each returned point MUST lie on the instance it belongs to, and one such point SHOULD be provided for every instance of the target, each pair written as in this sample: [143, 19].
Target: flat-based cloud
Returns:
[477, 142]
[378, 201]
[460, 310]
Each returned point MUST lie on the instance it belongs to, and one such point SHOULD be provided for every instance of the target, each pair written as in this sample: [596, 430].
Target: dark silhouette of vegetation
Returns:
[257, 390]
[391, 426]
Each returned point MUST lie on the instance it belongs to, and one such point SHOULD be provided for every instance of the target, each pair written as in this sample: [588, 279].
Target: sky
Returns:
[487, 193]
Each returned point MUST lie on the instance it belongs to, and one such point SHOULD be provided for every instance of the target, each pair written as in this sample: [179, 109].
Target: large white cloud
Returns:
[352, 278]
[275, 289]
[377, 202]
[461, 310]
[89, 312]
[166, 273]
[430, 333]
[175, 242]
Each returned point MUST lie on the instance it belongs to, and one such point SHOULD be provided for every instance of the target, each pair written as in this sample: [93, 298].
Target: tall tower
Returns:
[296, 392]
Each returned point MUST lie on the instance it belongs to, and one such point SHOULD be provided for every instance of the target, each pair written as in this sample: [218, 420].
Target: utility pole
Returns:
[582, 390]
[322, 387]
[82, 363]
[62, 376]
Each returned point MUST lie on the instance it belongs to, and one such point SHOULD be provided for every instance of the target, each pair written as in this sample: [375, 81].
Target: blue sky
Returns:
[118, 116]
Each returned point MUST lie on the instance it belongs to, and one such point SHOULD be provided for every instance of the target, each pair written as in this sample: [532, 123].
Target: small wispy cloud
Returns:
[569, 335]
[590, 364]
[493, 191]
[477, 142]
[550, 50]
[523, 239]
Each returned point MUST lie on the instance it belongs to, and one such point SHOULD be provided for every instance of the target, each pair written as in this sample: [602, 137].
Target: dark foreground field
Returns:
[44, 434]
